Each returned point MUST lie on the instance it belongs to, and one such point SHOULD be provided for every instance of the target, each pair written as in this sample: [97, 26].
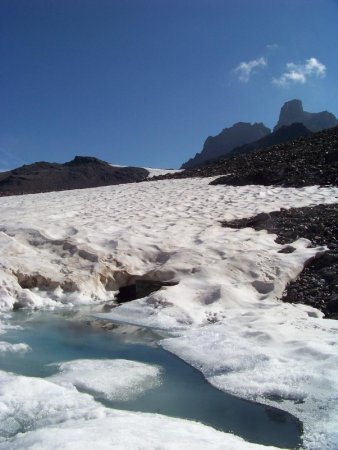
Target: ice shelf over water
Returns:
[224, 315]
[116, 379]
[36, 413]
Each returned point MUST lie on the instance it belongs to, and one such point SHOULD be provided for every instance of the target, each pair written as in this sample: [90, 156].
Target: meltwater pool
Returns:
[181, 391]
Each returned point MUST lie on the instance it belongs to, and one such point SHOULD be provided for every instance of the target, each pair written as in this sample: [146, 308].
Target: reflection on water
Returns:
[67, 335]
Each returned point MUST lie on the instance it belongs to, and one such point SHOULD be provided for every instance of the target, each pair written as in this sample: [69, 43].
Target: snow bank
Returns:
[13, 348]
[154, 172]
[280, 357]
[117, 379]
[224, 313]
[36, 413]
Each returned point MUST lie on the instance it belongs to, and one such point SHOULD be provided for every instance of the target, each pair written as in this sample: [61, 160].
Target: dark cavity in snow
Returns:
[140, 289]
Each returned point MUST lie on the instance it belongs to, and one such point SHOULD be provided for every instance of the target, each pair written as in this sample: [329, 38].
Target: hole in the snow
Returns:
[263, 287]
[140, 289]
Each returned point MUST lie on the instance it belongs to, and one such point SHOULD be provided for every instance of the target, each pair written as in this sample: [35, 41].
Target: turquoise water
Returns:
[64, 336]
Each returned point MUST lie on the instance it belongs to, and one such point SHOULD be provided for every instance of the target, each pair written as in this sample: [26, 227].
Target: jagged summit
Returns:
[292, 112]
[306, 161]
[283, 134]
[244, 137]
[215, 146]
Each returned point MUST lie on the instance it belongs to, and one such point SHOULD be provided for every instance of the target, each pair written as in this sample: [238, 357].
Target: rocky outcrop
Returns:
[280, 136]
[317, 284]
[244, 137]
[81, 172]
[217, 146]
[302, 162]
[292, 112]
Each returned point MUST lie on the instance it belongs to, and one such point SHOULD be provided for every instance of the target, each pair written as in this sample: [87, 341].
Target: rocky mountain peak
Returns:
[293, 112]
[79, 160]
[238, 134]
[244, 137]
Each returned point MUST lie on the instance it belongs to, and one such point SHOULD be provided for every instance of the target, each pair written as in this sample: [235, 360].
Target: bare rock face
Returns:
[293, 112]
[283, 134]
[216, 146]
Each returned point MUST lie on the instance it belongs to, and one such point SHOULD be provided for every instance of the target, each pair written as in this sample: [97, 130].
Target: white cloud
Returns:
[299, 73]
[246, 69]
[272, 46]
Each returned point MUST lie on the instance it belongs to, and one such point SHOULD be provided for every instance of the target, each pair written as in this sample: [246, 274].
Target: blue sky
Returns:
[144, 82]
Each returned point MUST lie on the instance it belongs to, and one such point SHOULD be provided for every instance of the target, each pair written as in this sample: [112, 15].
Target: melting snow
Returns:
[36, 413]
[224, 315]
[7, 347]
[116, 379]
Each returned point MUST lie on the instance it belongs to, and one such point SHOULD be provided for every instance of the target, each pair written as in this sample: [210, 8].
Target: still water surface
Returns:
[64, 336]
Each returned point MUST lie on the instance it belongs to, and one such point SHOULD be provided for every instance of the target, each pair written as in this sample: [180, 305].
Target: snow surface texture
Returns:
[36, 413]
[81, 246]
[117, 379]
[154, 172]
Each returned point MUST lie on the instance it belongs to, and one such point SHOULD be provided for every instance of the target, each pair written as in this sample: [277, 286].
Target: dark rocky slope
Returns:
[302, 162]
[317, 285]
[81, 172]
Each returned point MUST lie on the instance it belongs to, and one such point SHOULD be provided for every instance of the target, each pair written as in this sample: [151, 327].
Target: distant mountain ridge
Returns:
[81, 172]
[293, 123]
[280, 136]
[306, 161]
[229, 138]
[292, 111]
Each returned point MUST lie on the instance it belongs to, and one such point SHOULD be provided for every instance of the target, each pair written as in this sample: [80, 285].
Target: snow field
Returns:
[224, 315]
